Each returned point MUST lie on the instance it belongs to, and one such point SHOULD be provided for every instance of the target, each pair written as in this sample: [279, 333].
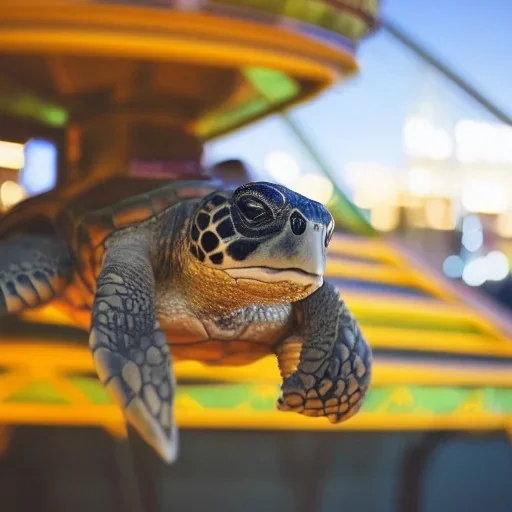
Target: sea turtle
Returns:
[220, 276]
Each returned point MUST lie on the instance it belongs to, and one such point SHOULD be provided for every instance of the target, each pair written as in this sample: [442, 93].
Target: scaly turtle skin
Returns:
[220, 277]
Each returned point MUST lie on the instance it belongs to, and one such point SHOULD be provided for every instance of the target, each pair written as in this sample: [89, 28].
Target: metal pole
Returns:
[445, 70]
[349, 215]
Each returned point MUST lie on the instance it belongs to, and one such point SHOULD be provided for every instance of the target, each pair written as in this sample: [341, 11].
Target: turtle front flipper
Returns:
[34, 269]
[130, 351]
[334, 365]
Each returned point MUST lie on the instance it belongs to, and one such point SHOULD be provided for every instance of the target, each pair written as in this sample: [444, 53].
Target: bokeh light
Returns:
[471, 223]
[11, 155]
[504, 224]
[492, 267]
[282, 166]
[39, 173]
[483, 142]
[438, 214]
[315, 186]
[453, 266]
[472, 234]
[485, 196]
[475, 272]
[472, 240]
[498, 266]
[385, 217]
[420, 181]
[422, 139]
[11, 193]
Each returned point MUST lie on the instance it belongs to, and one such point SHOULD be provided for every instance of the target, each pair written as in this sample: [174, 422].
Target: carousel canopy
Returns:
[200, 64]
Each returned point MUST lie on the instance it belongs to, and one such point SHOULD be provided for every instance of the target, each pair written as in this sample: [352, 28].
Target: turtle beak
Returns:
[307, 251]
[298, 257]
[304, 252]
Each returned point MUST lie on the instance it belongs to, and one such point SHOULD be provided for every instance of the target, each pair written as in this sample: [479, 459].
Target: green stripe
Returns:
[40, 392]
[19, 101]
[314, 12]
[403, 323]
[91, 388]
[390, 400]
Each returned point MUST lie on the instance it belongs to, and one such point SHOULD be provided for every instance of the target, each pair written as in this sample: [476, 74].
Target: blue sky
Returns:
[362, 120]
[474, 37]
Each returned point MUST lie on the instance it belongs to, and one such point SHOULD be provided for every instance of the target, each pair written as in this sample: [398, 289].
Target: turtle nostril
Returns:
[298, 223]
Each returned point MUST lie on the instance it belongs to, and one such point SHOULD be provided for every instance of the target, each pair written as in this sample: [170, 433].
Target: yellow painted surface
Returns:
[52, 362]
[111, 419]
[139, 32]
[29, 361]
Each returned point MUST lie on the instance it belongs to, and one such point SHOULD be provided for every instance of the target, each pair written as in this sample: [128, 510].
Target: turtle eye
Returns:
[254, 210]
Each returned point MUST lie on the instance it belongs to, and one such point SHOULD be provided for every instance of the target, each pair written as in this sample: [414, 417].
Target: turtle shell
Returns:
[85, 221]
[105, 208]
[98, 224]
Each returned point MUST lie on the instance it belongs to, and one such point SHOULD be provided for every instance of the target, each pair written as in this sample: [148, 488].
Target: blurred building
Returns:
[452, 200]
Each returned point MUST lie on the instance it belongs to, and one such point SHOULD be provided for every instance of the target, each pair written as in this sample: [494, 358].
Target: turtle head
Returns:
[265, 237]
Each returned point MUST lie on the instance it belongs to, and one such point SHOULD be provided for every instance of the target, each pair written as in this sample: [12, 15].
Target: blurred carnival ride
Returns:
[128, 92]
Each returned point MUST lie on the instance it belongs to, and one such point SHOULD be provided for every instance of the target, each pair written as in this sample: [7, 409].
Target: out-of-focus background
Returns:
[412, 152]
